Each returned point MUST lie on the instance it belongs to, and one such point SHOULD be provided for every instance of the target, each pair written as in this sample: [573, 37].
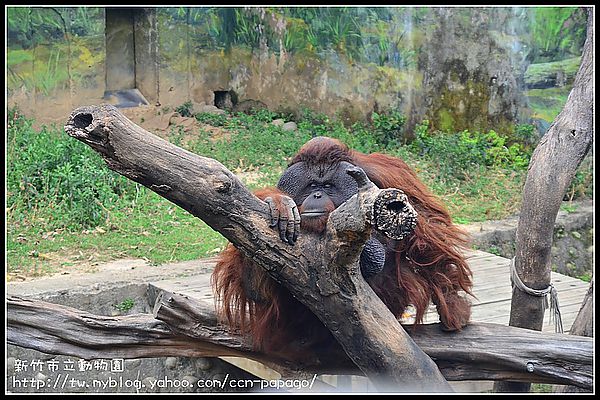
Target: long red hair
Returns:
[428, 265]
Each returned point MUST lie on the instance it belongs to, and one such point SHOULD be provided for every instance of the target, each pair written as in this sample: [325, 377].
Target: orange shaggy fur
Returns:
[426, 266]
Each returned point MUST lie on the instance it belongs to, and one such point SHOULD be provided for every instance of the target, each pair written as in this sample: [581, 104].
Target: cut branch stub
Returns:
[386, 210]
[390, 211]
[361, 178]
[393, 215]
[84, 127]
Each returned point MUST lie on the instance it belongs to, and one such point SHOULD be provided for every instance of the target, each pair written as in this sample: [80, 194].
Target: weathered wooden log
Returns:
[551, 170]
[187, 327]
[326, 279]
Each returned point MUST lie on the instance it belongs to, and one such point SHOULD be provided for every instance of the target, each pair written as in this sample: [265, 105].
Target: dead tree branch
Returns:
[337, 294]
[187, 327]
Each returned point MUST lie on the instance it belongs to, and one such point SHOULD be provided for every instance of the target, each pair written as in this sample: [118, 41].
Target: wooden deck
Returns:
[492, 288]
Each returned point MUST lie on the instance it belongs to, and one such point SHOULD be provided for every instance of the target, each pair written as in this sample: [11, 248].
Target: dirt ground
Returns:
[160, 120]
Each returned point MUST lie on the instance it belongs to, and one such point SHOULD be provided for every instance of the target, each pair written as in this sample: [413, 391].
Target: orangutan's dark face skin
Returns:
[318, 190]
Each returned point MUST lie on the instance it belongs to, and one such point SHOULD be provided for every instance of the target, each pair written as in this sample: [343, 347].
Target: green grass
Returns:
[126, 305]
[569, 208]
[478, 194]
[541, 388]
[66, 209]
[153, 228]
[18, 56]
[586, 277]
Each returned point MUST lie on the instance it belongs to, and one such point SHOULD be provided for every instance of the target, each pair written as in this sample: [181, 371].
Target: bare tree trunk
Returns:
[553, 165]
[584, 322]
[582, 326]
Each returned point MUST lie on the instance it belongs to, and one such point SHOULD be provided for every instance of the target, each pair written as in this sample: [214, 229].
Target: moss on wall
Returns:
[431, 63]
[550, 74]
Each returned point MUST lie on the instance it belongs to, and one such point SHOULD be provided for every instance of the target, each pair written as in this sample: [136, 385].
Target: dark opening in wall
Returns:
[225, 99]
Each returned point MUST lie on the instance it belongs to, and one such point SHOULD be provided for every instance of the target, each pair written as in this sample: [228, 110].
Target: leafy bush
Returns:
[265, 115]
[387, 126]
[555, 32]
[185, 110]
[54, 181]
[212, 119]
[58, 178]
[125, 305]
[250, 143]
[582, 185]
[526, 135]
[309, 116]
[456, 153]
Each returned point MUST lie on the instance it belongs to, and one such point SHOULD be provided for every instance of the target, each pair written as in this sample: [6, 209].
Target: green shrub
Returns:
[387, 127]
[312, 117]
[212, 119]
[54, 181]
[265, 115]
[526, 135]
[456, 153]
[251, 144]
[125, 305]
[58, 178]
[185, 110]
[582, 185]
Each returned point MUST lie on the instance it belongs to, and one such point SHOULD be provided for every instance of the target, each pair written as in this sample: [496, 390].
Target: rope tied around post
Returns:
[549, 292]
